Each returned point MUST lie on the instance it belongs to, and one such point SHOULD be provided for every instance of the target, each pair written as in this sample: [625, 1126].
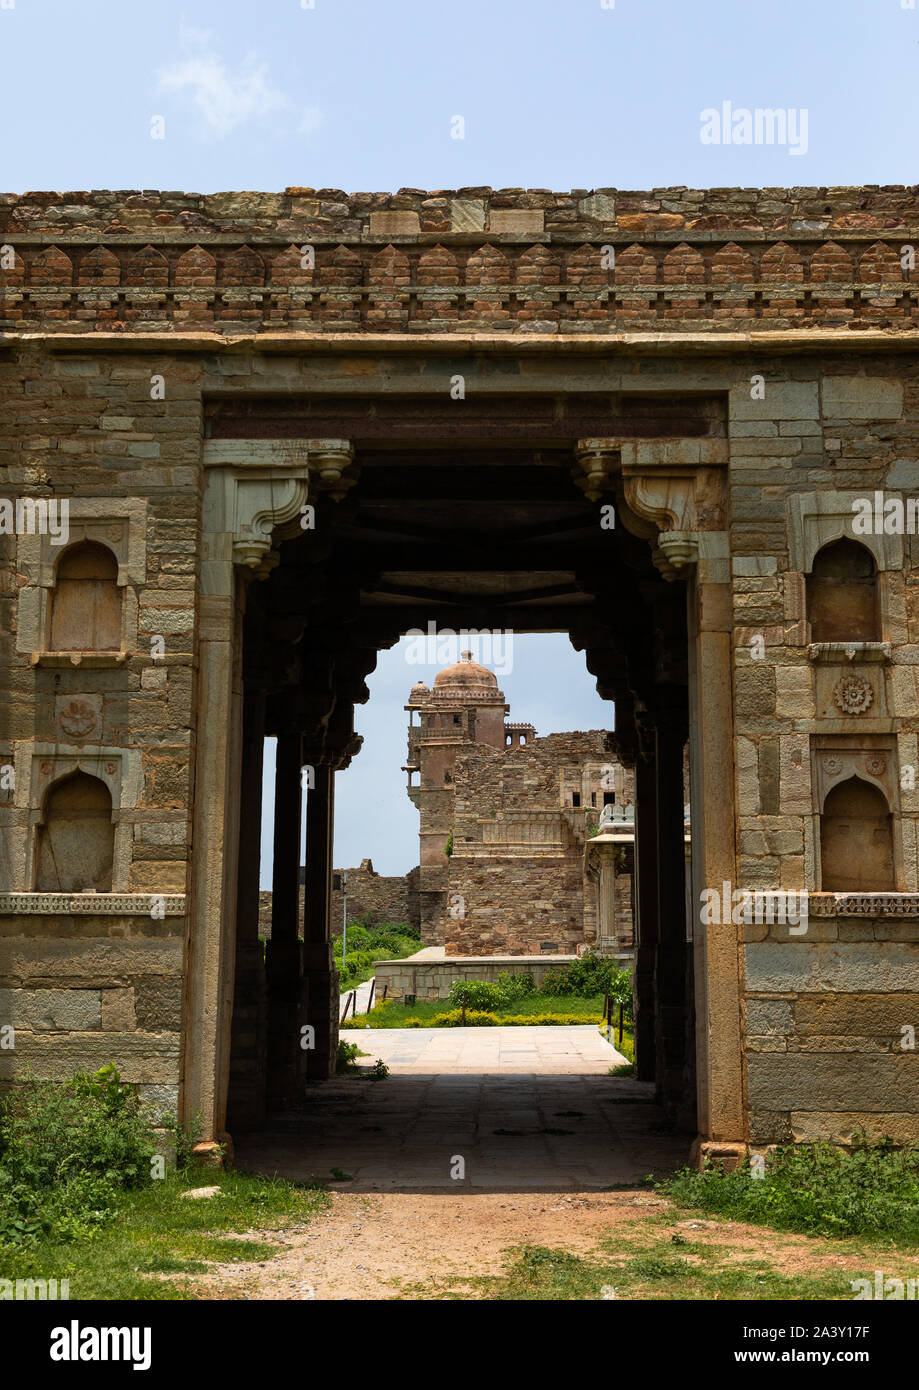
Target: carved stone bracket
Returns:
[596, 467]
[668, 490]
[257, 487]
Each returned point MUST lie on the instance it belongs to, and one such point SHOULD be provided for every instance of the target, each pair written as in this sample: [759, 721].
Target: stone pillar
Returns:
[607, 936]
[282, 957]
[670, 968]
[211, 946]
[252, 487]
[719, 1040]
[647, 925]
[247, 1058]
[673, 494]
[320, 995]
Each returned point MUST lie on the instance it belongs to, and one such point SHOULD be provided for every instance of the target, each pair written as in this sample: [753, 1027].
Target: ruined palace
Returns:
[513, 858]
[504, 820]
[248, 440]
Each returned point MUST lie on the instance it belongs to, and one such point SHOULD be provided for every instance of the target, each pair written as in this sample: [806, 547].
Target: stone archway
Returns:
[668, 493]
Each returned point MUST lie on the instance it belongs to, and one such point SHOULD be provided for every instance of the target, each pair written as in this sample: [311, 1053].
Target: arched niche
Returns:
[86, 601]
[856, 840]
[842, 594]
[75, 847]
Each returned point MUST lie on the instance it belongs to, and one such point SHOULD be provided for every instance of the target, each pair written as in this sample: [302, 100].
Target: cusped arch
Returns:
[683, 266]
[781, 265]
[100, 267]
[51, 267]
[636, 266]
[538, 265]
[243, 267]
[148, 268]
[880, 262]
[732, 265]
[437, 267]
[831, 263]
[196, 269]
[487, 266]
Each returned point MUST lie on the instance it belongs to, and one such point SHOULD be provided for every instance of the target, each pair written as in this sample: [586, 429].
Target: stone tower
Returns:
[464, 708]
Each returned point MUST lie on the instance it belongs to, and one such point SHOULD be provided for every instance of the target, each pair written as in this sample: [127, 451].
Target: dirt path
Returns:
[385, 1245]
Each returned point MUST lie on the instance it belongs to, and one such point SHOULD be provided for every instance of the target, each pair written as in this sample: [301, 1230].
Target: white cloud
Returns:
[225, 99]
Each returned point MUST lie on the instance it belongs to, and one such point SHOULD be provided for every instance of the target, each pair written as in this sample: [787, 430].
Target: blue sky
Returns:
[359, 94]
[362, 95]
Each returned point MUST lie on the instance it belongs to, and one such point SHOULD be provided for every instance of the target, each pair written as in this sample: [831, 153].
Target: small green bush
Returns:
[67, 1150]
[492, 994]
[591, 974]
[346, 1057]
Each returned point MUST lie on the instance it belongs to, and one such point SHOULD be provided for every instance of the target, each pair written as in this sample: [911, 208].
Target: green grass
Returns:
[657, 1270]
[393, 1014]
[156, 1232]
[819, 1189]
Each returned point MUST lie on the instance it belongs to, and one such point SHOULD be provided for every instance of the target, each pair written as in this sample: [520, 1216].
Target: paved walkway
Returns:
[544, 1116]
[363, 999]
[576, 1049]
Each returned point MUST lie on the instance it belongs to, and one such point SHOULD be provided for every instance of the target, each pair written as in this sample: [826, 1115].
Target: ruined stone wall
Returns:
[517, 883]
[385, 898]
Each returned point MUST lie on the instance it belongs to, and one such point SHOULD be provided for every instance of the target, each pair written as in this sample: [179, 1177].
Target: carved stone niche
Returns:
[120, 526]
[856, 805]
[48, 766]
[816, 520]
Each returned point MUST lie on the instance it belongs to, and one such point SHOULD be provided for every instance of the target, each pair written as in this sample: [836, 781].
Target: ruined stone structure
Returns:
[503, 820]
[251, 404]
[369, 896]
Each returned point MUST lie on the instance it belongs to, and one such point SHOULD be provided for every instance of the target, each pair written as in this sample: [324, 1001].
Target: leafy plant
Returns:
[821, 1189]
[346, 1057]
[66, 1152]
[492, 994]
[591, 974]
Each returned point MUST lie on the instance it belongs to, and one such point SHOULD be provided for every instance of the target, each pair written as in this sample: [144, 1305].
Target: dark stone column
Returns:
[670, 965]
[319, 1000]
[283, 951]
[246, 1100]
[646, 903]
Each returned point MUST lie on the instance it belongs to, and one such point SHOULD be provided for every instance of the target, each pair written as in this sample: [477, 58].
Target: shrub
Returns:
[346, 1057]
[479, 1018]
[590, 975]
[488, 994]
[67, 1150]
[475, 1018]
[819, 1189]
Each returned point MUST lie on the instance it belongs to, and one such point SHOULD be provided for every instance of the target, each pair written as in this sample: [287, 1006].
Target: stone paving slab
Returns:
[571, 1049]
[569, 1127]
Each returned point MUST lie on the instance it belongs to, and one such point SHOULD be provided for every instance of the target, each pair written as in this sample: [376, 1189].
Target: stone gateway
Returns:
[250, 439]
